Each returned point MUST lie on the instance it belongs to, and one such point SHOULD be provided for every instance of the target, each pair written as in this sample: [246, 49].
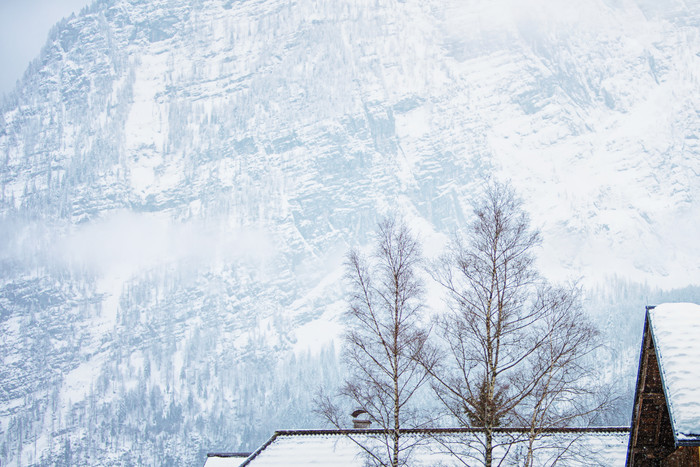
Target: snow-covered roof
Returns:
[606, 447]
[675, 328]
[225, 459]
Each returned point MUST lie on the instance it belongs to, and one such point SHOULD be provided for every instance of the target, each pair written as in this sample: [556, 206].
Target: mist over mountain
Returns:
[180, 181]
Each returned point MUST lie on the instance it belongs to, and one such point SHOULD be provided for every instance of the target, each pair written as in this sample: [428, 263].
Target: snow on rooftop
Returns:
[607, 448]
[675, 328]
[223, 461]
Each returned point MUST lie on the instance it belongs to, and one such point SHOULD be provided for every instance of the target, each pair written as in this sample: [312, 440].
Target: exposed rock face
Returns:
[180, 181]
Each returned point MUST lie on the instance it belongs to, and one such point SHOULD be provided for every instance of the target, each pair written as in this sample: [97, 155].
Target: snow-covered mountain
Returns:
[181, 180]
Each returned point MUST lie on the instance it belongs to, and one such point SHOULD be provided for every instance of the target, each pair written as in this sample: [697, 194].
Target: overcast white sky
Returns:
[24, 27]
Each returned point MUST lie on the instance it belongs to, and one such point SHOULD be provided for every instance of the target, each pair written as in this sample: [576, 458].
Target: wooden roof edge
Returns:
[435, 431]
[259, 450]
[689, 442]
[229, 454]
[638, 386]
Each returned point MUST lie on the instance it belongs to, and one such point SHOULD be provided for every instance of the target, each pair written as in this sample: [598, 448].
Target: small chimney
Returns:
[360, 419]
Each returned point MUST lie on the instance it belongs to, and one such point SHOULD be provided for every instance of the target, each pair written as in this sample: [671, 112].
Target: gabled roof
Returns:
[675, 329]
[587, 447]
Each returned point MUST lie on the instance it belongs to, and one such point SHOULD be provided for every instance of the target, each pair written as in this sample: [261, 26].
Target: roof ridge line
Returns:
[377, 431]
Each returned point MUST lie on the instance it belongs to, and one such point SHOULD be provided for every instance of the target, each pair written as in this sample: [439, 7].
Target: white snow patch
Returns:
[318, 333]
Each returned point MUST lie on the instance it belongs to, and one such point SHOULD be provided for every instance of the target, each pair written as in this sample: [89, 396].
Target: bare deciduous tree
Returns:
[514, 345]
[560, 382]
[384, 341]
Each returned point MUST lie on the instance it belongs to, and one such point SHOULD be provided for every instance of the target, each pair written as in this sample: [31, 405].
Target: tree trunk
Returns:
[530, 445]
[395, 460]
[488, 454]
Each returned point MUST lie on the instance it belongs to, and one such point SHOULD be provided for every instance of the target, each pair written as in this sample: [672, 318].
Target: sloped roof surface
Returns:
[675, 328]
[604, 448]
[223, 461]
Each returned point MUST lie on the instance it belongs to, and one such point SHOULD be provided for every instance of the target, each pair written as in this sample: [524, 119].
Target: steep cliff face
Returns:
[180, 181]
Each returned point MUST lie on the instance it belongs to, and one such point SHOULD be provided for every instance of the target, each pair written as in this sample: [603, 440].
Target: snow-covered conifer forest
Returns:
[180, 181]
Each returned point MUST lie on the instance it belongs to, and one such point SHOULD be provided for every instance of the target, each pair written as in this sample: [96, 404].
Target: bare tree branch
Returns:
[514, 346]
[386, 348]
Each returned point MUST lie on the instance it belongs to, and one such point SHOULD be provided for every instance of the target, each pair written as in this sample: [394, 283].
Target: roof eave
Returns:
[688, 442]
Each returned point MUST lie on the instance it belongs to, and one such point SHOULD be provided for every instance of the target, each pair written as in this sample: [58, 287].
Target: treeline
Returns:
[165, 384]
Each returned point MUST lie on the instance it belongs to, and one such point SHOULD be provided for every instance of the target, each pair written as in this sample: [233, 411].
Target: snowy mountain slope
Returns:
[181, 180]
